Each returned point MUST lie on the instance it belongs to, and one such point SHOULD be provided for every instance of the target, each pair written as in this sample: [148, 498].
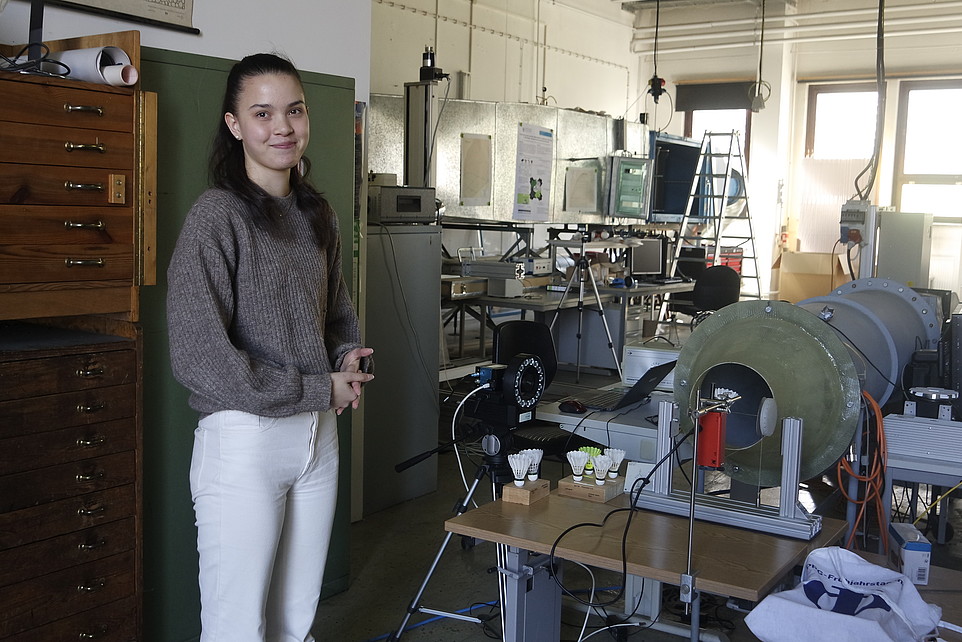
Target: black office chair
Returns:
[716, 287]
[529, 337]
[532, 337]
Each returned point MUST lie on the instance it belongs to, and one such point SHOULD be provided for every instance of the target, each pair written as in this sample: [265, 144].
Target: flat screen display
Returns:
[647, 257]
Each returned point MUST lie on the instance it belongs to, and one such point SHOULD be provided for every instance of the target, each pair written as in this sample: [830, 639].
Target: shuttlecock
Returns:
[520, 463]
[591, 451]
[535, 455]
[617, 456]
[601, 463]
[577, 459]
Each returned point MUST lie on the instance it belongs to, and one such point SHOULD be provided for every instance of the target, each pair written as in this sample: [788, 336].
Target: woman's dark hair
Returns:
[227, 170]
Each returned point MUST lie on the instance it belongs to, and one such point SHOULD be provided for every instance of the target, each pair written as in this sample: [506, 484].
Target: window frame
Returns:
[899, 177]
[746, 135]
[834, 88]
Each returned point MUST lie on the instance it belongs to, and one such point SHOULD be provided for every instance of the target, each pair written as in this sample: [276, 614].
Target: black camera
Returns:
[514, 390]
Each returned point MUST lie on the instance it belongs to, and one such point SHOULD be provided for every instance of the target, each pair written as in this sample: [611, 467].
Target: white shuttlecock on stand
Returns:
[577, 459]
[617, 456]
[519, 463]
[601, 463]
[535, 454]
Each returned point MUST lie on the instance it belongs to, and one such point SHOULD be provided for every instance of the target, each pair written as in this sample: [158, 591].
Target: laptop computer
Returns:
[608, 400]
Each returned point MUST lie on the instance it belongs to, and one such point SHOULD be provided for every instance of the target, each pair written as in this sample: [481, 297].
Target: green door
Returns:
[190, 89]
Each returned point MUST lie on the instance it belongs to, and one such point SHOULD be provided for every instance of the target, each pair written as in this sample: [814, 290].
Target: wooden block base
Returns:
[531, 492]
[588, 489]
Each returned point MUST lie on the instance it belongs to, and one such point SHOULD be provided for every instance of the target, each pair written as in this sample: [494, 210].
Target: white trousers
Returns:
[264, 492]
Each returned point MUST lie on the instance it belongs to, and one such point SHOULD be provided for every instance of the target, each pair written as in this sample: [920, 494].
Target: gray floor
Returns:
[392, 551]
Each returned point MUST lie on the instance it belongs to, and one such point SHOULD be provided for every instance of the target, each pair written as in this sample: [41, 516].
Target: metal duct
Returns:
[813, 366]
[882, 322]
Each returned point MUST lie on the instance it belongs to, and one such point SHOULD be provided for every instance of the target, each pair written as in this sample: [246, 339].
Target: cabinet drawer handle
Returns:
[88, 187]
[89, 546]
[84, 262]
[93, 586]
[92, 441]
[86, 477]
[89, 511]
[67, 107]
[85, 147]
[88, 373]
[93, 407]
[98, 225]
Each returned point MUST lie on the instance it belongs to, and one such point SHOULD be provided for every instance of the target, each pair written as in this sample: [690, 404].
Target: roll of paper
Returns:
[102, 65]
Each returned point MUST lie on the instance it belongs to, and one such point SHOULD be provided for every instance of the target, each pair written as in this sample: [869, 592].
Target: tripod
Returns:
[581, 273]
[494, 466]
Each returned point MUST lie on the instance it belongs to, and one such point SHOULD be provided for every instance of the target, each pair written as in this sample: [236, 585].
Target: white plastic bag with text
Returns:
[844, 597]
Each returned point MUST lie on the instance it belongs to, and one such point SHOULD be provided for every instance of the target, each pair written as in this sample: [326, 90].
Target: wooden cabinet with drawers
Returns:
[77, 197]
[70, 499]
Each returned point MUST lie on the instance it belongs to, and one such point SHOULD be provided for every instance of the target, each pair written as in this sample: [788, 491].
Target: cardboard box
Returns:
[802, 275]
[531, 492]
[910, 552]
[588, 489]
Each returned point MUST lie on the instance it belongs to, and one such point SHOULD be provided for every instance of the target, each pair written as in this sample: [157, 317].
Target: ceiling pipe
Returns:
[835, 38]
[945, 7]
[800, 29]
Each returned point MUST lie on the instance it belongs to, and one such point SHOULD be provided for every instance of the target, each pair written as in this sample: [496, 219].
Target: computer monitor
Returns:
[647, 257]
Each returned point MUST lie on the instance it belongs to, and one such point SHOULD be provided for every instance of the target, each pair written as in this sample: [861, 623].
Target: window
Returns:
[928, 162]
[841, 121]
[699, 121]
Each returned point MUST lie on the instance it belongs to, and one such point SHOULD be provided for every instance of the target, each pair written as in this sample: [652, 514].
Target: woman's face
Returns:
[272, 123]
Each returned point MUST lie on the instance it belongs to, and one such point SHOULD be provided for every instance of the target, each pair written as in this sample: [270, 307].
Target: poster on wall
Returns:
[177, 14]
[475, 169]
[532, 184]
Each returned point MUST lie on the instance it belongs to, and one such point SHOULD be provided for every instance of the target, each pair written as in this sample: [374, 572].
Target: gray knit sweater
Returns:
[256, 323]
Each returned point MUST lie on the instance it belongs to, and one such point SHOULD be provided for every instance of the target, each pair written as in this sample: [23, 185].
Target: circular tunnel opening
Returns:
[752, 416]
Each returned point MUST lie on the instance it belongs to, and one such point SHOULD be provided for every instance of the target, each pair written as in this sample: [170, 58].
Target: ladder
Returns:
[721, 217]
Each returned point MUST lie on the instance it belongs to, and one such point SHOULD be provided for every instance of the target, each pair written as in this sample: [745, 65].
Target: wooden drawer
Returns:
[22, 490]
[114, 622]
[42, 414]
[57, 185]
[32, 225]
[23, 102]
[50, 597]
[52, 412]
[65, 516]
[58, 553]
[65, 146]
[51, 375]
[49, 263]
[28, 452]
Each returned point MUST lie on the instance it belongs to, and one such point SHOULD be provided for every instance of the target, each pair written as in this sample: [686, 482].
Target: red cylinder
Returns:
[711, 440]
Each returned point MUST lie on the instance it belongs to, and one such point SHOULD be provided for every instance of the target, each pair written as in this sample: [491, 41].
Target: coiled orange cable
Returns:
[874, 477]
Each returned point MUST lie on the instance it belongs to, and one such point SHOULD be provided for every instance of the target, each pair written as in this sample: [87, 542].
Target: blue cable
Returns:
[433, 619]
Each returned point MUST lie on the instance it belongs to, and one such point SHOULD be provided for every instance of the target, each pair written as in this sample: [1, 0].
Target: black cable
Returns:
[872, 167]
[34, 66]
[863, 355]
[632, 509]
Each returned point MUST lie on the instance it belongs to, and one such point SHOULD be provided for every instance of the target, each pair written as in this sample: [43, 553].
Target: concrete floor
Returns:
[392, 551]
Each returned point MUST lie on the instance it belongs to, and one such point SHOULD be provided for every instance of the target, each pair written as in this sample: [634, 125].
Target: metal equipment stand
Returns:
[582, 272]
[514, 571]
[415, 606]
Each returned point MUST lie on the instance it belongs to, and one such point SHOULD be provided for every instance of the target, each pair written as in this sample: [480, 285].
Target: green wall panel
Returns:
[190, 90]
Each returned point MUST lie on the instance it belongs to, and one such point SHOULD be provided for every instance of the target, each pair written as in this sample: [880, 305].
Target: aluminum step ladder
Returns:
[717, 215]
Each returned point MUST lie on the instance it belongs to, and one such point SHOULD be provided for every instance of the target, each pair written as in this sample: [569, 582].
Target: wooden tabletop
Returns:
[726, 561]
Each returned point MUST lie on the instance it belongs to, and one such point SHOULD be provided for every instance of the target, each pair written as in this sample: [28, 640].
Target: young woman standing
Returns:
[264, 336]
